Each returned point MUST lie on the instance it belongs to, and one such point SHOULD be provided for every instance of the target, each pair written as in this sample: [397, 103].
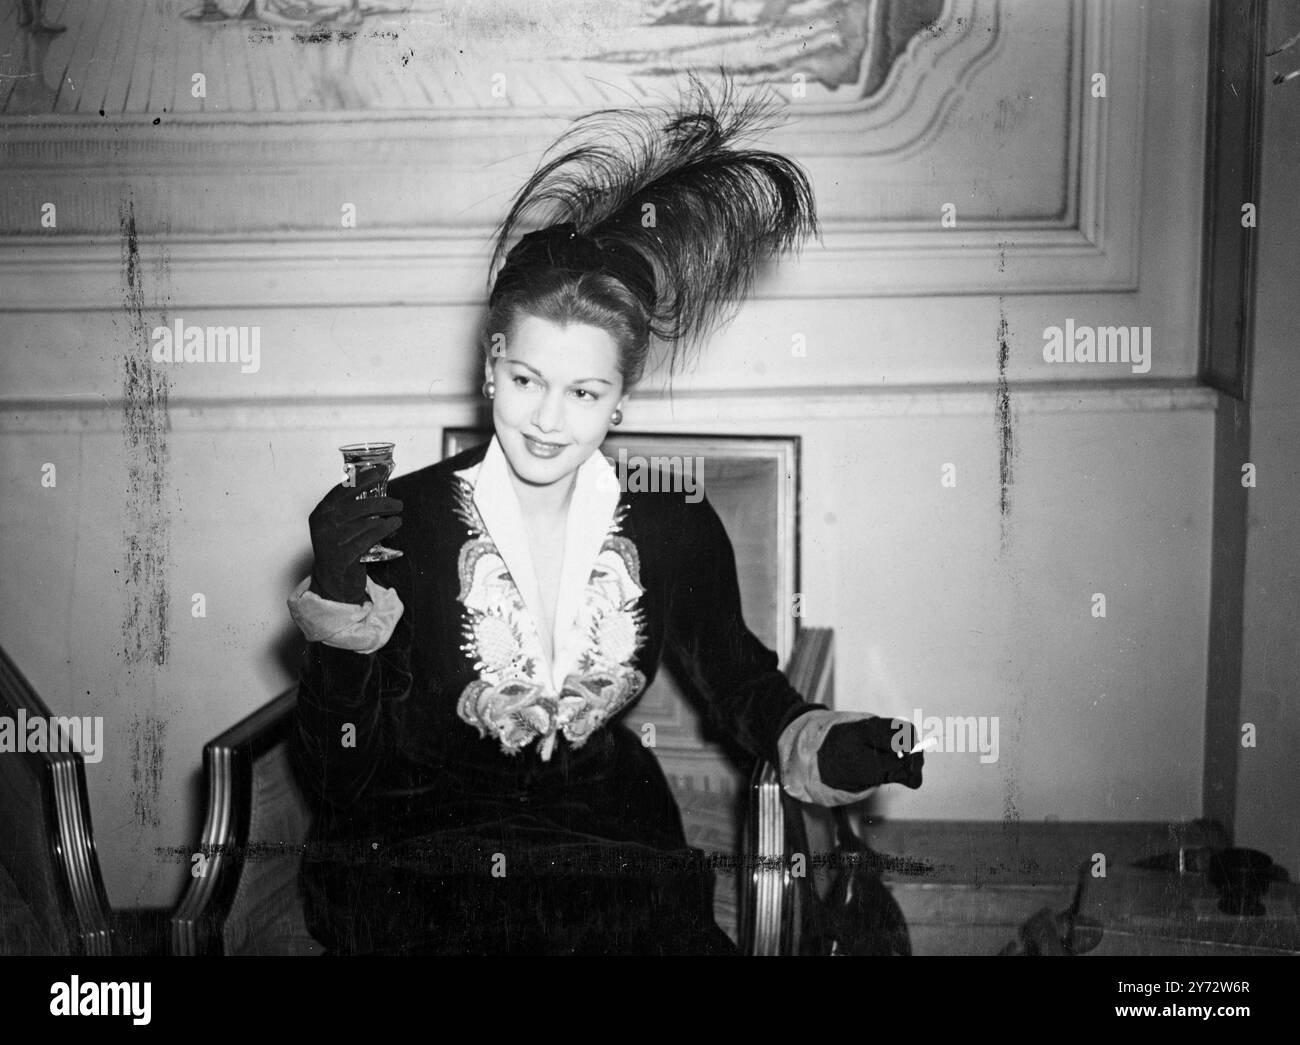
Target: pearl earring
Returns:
[616, 418]
[489, 389]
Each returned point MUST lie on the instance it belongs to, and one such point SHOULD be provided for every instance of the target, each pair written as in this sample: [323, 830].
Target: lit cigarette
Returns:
[925, 745]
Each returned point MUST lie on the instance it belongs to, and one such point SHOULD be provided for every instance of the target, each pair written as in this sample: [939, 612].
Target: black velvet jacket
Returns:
[458, 743]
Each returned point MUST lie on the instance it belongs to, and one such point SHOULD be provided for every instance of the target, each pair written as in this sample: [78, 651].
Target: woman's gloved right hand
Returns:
[343, 527]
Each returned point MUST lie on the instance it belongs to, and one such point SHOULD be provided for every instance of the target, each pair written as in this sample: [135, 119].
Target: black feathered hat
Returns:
[667, 202]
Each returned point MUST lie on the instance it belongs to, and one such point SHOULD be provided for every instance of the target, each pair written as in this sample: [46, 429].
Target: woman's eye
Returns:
[523, 379]
[580, 392]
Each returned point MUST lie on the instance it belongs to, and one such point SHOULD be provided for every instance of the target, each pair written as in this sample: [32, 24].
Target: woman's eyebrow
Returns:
[581, 380]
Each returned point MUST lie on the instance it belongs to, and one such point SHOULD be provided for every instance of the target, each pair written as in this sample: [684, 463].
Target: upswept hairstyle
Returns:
[651, 224]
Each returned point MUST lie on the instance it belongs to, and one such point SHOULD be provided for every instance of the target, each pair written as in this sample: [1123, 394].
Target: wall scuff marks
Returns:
[146, 536]
[1006, 440]
[144, 427]
[1010, 770]
[145, 735]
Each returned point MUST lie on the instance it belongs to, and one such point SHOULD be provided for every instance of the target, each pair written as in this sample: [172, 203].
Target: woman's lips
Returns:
[544, 450]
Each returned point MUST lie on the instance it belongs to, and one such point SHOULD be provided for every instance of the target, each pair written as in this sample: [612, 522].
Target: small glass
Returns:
[359, 455]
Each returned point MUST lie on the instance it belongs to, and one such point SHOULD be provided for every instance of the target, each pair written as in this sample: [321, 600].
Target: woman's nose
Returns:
[550, 412]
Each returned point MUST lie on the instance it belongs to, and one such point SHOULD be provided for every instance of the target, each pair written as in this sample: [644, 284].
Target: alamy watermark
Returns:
[196, 344]
[83, 734]
[73, 998]
[951, 733]
[1082, 344]
[666, 473]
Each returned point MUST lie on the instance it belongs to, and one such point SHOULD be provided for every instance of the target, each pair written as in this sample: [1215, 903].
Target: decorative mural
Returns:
[303, 104]
[303, 55]
[850, 44]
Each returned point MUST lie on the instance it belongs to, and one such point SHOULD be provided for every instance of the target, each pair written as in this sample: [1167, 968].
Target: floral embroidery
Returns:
[512, 699]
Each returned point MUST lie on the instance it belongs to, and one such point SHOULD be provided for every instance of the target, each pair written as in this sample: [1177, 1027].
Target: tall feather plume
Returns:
[719, 210]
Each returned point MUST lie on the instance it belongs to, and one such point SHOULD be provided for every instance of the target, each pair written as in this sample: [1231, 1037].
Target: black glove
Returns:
[871, 751]
[343, 527]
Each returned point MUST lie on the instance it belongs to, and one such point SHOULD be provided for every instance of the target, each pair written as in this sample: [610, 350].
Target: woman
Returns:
[459, 710]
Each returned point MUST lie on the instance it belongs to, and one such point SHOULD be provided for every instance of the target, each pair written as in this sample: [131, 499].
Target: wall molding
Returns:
[729, 410]
[342, 271]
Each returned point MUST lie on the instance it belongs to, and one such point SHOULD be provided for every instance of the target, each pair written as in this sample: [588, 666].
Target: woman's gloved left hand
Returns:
[855, 756]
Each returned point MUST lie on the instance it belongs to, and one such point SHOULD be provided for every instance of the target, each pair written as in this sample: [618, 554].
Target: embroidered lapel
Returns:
[518, 697]
[591, 513]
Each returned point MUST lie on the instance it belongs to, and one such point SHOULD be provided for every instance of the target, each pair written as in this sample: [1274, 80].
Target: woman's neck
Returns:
[550, 502]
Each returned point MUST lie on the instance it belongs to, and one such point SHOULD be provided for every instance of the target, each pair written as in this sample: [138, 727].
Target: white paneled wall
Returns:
[942, 600]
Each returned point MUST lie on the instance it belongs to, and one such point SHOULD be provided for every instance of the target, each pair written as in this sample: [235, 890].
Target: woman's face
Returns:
[556, 388]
